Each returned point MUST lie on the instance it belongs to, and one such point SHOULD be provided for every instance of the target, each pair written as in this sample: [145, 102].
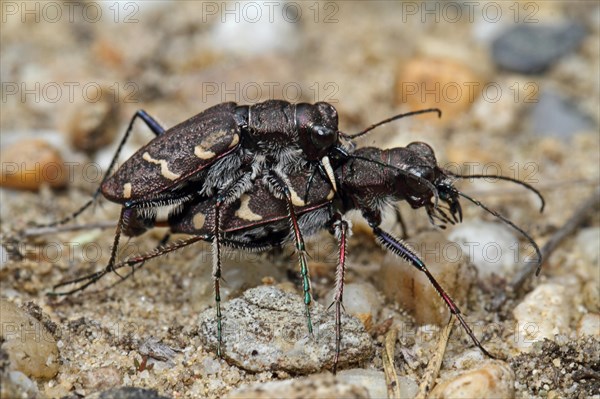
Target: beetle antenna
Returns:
[514, 226]
[506, 178]
[393, 118]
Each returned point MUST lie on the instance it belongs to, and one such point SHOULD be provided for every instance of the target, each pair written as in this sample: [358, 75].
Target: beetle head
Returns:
[422, 167]
[406, 173]
[317, 128]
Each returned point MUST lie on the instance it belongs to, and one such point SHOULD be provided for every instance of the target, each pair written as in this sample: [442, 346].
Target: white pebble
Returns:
[24, 382]
[211, 366]
[359, 299]
[492, 380]
[587, 240]
[374, 382]
[467, 359]
[544, 313]
[589, 324]
[492, 248]
[253, 31]
[3, 256]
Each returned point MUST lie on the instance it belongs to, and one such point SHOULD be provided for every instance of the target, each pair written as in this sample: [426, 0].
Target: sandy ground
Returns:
[177, 59]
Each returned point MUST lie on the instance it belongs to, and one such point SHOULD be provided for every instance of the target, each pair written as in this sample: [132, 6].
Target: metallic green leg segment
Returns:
[305, 284]
[300, 247]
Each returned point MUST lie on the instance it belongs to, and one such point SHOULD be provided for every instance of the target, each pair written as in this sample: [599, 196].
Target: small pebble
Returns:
[533, 48]
[543, 313]
[555, 115]
[319, 386]
[256, 34]
[22, 383]
[265, 329]
[3, 257]
[491, 247]
[438, 83]
[494, 379]
[589, 324]
[155, 349]
[210, 366]
[360, 299]
[374, 382]
[30, 346]
[93, 125]
[127, 393]
[467, 359]
[403, 283]
[101, 378]
[29, 163]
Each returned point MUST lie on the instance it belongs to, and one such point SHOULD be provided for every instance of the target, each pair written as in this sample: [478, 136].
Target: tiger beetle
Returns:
[281, 206]
[219, 154]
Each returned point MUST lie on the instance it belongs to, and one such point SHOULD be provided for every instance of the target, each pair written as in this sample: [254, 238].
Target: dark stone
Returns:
[130, 393]
[533, 49]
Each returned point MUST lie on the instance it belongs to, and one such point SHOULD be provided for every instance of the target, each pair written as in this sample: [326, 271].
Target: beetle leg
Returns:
[138, 261]
[309, 184]
[403, 251]
[216, 273]
[154, 126]
[163, 242]
[324, 168]
[400, 220]
[340, 230]
[131, 262]
[229, 194]
[283, 188]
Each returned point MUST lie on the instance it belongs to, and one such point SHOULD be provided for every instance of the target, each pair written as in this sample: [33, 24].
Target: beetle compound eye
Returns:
[424, 150]
[323, 137]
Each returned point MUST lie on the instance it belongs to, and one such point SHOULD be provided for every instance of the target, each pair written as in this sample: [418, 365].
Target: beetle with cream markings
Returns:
[256, 177]
[368, 179]
[219, 152]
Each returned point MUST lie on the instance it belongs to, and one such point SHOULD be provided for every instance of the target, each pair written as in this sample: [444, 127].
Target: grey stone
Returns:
[534, 48]
[265, 329]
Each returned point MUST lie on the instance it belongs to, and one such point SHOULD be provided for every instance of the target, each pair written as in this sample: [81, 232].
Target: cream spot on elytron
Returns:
[330, 195]
[234, 141]
[296, 200]
[244, 212]
[198, 220]
[127, 190]
[201, 153]
[164, 167]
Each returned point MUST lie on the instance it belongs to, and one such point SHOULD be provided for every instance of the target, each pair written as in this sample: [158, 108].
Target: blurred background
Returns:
[518, 83]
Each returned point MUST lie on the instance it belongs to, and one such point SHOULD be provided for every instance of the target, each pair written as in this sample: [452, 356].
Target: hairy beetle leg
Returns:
[402, 251]
[154, 126]
[341, 232]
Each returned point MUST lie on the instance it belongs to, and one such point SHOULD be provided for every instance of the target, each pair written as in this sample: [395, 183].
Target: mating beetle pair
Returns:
[255, 177]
